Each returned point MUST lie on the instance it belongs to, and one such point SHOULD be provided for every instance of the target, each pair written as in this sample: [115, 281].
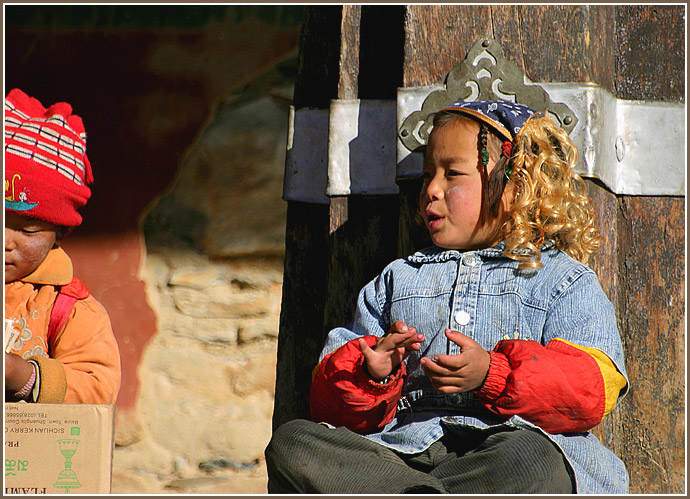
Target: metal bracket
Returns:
[485, 74]
[633, 147]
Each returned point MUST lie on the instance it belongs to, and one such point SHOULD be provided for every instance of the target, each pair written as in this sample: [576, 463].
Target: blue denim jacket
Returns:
[484, 296]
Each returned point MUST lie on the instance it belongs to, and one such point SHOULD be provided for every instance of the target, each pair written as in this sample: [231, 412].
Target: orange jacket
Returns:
[84, 362]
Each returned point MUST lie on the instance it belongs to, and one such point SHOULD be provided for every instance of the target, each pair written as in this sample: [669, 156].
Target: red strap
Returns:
[75, 289]
[64, 303]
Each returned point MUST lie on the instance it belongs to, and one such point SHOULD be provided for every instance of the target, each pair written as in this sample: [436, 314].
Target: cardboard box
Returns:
[58, 448]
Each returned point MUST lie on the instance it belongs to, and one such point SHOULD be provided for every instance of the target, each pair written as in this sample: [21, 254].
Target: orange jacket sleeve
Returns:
[343, 394]
[561, 387]
[89, 355]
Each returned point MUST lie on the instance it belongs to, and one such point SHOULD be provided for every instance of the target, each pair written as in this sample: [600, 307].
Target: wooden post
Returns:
[306, 232]
[333, 249]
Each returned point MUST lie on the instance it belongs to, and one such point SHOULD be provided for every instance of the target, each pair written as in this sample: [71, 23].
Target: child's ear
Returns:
[62, 232]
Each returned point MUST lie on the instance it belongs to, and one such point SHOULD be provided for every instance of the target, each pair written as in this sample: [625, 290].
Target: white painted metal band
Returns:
[633, 147]
[306, 160]
[348, 149]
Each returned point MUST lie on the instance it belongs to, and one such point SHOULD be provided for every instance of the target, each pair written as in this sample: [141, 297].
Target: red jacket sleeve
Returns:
[343, 394]
[560, 387]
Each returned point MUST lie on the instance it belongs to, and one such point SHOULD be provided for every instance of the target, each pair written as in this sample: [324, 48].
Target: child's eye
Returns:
[454, 173]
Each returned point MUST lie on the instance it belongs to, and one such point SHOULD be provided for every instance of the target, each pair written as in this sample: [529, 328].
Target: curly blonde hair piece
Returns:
[550, 200]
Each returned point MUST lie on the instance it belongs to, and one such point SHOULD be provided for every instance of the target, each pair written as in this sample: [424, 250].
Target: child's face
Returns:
[451, 196]
[27, 243]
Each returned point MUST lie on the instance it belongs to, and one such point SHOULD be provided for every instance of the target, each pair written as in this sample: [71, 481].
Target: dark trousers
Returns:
[306, 457]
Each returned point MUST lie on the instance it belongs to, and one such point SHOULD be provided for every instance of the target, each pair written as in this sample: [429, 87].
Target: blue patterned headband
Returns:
[505, 117]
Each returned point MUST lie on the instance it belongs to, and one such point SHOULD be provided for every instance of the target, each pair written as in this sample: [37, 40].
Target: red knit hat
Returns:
[46, 168]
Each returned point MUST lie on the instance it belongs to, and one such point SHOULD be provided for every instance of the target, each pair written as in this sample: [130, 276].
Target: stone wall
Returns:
[213, 274]
[207, 378]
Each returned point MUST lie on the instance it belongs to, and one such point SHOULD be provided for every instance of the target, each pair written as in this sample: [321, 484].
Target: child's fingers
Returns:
[451, 362]
[460, 339]
[398, 327]
[364, 347]
[442, 365]
[410, 339]
[416, 345]
[398, 331]
[441, 377]
[400, 340]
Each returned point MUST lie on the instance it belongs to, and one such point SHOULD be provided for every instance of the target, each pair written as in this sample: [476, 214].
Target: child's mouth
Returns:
[433, 220]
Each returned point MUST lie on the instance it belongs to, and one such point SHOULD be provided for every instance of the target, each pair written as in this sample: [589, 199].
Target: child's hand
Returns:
[390, 350]
[17, 372]
[458, 373]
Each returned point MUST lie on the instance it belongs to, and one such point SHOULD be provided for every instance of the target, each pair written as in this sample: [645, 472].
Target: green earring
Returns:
[485, 157]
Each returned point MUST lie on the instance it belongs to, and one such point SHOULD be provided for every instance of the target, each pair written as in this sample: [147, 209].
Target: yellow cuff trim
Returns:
[614, 381]
[53, 380]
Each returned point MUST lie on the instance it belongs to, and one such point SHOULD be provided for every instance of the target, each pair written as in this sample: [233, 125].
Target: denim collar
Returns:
[438, 255]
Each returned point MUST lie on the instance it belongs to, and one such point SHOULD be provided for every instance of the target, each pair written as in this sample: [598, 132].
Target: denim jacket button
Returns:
[470, 260]
[462, 318]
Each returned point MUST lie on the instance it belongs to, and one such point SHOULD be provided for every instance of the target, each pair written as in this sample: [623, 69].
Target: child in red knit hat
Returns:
[59, 344]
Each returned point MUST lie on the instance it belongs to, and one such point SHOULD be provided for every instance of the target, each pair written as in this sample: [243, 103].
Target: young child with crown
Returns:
[478, 365]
